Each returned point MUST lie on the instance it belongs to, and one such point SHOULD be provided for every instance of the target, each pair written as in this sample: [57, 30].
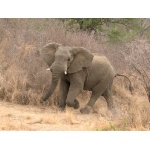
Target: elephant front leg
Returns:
[64, 88]
[96, 93]
[90, 104]
[108, 96]
[71, 97]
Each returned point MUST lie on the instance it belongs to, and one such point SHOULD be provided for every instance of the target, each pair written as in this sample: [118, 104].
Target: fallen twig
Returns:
[39, 121]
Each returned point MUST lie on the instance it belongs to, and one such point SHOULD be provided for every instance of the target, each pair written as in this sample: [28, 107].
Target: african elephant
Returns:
[78, 69]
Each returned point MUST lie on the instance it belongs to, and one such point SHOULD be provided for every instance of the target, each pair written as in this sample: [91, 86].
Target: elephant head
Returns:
[63, 60]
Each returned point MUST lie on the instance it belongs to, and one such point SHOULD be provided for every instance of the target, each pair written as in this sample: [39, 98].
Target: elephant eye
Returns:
[68, 59]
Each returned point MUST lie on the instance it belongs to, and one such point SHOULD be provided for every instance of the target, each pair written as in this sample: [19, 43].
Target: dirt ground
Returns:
[26, 117]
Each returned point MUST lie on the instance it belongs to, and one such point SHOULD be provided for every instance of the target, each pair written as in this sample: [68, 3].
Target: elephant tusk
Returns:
[48, 69]
[65, 72]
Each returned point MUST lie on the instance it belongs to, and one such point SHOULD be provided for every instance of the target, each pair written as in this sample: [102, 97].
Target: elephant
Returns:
[78, 69]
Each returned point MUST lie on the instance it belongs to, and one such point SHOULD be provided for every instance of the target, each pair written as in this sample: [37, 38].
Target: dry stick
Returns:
[39, 121]
[146, 75]
[140, 74]
[147, 88]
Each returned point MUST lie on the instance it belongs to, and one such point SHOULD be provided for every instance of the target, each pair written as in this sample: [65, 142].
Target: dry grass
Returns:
[23, 79]
[21, 65]
[133, 115]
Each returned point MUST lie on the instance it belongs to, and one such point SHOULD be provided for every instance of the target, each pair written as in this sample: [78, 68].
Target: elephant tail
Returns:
[130, 85]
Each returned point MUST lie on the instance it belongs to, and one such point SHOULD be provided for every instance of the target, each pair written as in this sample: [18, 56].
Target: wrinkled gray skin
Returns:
[78, 69]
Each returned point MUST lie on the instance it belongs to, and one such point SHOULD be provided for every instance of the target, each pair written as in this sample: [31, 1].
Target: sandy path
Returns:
[21, 117]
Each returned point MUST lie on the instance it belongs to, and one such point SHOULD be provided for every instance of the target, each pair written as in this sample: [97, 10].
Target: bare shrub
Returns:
[21, 65]
[23, 75]
[139, 61]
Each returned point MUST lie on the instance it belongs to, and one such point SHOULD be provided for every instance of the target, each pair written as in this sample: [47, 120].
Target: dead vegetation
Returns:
[139, 60]
[23, 78]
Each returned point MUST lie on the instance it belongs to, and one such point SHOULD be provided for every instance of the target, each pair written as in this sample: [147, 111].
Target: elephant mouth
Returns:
[65, 72]
[48, 69]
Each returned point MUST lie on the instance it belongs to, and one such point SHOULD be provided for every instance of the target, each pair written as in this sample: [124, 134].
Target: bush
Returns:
[23, 75]
[23, 72]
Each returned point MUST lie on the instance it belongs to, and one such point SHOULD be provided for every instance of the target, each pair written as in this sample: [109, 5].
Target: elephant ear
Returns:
[82, 59]
[48, 52]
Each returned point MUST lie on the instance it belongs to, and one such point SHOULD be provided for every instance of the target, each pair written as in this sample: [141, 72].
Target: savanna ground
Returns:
[23, 79]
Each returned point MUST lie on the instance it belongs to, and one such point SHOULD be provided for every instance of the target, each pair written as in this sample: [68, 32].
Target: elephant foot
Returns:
[62, 107]
[76, 106]
[114, 113]
[42, 101]
[85, 110]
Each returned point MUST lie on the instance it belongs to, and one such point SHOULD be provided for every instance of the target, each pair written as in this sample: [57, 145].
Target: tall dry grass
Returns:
[21, 65]
[23, 77]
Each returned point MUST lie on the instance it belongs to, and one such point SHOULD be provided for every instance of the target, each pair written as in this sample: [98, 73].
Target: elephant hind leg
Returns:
[108, 96]
[110, 103]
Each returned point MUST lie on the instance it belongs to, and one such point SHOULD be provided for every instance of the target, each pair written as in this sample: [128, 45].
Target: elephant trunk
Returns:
[50, 90]
[57, 72]
[58, 69]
